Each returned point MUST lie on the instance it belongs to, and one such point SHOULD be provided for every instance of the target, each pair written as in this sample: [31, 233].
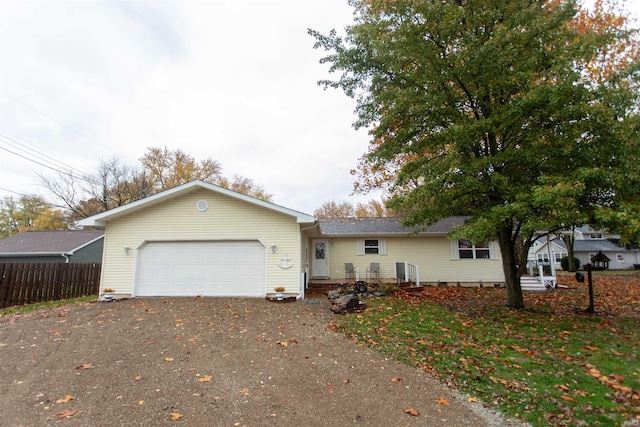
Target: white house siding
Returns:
[629, 258]
[432, 255]
[226, 218]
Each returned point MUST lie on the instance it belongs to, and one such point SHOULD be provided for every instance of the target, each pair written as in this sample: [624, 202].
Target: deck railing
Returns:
[408, 272]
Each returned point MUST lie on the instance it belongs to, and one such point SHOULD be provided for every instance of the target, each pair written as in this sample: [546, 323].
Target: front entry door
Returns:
[320, 265]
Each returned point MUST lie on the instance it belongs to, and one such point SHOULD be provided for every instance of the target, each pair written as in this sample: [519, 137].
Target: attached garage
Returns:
[202, 239]
[206, 268]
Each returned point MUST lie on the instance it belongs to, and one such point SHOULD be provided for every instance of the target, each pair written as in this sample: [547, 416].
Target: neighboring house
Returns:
[586, 245]
[68, 246]
[202, 239]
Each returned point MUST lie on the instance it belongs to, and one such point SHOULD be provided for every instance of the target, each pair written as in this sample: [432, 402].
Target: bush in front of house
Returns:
[564, 263]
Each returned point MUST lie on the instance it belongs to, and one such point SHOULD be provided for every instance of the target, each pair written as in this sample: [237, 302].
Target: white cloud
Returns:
[234, 80]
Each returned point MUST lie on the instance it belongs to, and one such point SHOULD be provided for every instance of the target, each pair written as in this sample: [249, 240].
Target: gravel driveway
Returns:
[208, 362]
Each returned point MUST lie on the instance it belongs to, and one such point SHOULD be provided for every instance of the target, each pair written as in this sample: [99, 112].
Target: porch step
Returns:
[529, 283]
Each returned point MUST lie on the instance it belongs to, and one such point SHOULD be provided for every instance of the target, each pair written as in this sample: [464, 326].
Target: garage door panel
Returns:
[207, 268]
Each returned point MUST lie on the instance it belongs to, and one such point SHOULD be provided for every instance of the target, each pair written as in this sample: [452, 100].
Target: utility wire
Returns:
[47, 166]
[37, 154]
[57, 121]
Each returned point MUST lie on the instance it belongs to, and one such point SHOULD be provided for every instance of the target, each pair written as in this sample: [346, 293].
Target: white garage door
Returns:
[228, 268]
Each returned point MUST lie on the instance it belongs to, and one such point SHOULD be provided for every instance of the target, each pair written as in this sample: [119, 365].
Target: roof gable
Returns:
[48, 241]
[101, 219]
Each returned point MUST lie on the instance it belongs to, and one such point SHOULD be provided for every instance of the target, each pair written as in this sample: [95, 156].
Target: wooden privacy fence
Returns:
[26, 283]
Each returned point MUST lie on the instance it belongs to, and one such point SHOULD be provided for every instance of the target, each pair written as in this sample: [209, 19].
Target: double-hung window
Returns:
[467, 250]
[372, 247]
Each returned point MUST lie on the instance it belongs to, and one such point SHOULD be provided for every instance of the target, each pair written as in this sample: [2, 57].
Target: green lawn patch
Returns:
[549, 364]
[19, 309]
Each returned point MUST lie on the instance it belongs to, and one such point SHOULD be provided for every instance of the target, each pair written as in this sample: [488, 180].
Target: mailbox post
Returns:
[591, 308]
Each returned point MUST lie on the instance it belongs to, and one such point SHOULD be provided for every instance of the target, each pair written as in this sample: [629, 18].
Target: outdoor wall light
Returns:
[127, 249]
[273, 249]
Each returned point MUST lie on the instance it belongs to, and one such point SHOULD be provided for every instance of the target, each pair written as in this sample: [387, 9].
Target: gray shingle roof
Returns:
[595, 245]
[43, 242]
[383, 226]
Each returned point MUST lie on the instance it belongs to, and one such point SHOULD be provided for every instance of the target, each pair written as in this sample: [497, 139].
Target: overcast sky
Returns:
[231, 80]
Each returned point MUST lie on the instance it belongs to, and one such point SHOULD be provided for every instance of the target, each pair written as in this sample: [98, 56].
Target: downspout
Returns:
[66, 258]
[303, 282]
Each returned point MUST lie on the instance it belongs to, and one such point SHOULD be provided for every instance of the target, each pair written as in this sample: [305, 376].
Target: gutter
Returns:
[66, 258]
[302, 293]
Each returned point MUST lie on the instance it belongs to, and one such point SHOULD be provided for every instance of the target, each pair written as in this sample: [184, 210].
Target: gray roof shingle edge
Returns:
[50, 241]
[384, 226]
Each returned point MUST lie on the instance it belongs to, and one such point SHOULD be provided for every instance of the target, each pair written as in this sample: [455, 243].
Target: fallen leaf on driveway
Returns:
[68, 414]
[283, 343]
[472, 399]
[244, 391]
[84, 366]
[138, 377]
[168, 359]
[66, 399]
[412, 412]
[205, 379]
[175, 416]
[442, 401]
[396, 379]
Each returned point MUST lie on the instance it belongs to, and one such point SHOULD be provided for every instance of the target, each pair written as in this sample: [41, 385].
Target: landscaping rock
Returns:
[343, 303]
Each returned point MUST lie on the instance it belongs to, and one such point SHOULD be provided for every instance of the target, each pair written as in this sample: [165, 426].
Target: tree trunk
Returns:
[509, 261]
[568, 242]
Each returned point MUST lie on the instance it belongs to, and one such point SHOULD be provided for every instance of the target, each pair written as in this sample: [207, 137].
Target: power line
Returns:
[46, 166]
[37, 154]
[56, 121]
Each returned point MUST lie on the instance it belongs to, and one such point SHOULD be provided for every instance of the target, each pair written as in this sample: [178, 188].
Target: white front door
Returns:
[320, 264]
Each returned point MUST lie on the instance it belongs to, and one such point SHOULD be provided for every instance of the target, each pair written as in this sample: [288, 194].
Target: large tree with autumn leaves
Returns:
[522, 114]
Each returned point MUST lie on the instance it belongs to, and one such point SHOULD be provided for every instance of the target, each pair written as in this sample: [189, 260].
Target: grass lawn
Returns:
[16, 309]
[549, 364]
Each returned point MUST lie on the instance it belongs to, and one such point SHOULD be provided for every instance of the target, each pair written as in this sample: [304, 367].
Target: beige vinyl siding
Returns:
[431, 254]
[226, 218]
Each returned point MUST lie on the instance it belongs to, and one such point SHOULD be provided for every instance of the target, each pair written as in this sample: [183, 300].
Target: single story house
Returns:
[202, 239]
[53, 246]
[390, 246]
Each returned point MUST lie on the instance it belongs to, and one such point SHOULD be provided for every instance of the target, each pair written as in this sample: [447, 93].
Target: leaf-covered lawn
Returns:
[550, 364]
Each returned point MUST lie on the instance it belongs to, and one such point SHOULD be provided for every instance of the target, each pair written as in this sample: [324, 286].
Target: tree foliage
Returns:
[169, 169]
[116, 184]
[371, 209]
[28, 213]
[334, 209]
[489, 108]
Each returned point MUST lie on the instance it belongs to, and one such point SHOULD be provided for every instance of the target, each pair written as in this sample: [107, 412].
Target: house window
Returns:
[468, 250]
[543, 258]
[596, 236]
[371, 246]
[619, 257]
[560, 255]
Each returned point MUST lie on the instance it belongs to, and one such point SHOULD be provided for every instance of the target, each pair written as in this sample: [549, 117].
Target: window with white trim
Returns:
[372, 247]
[619, 257]
[596, 236]
[559, 255]
[467, 250]
[543, 258]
